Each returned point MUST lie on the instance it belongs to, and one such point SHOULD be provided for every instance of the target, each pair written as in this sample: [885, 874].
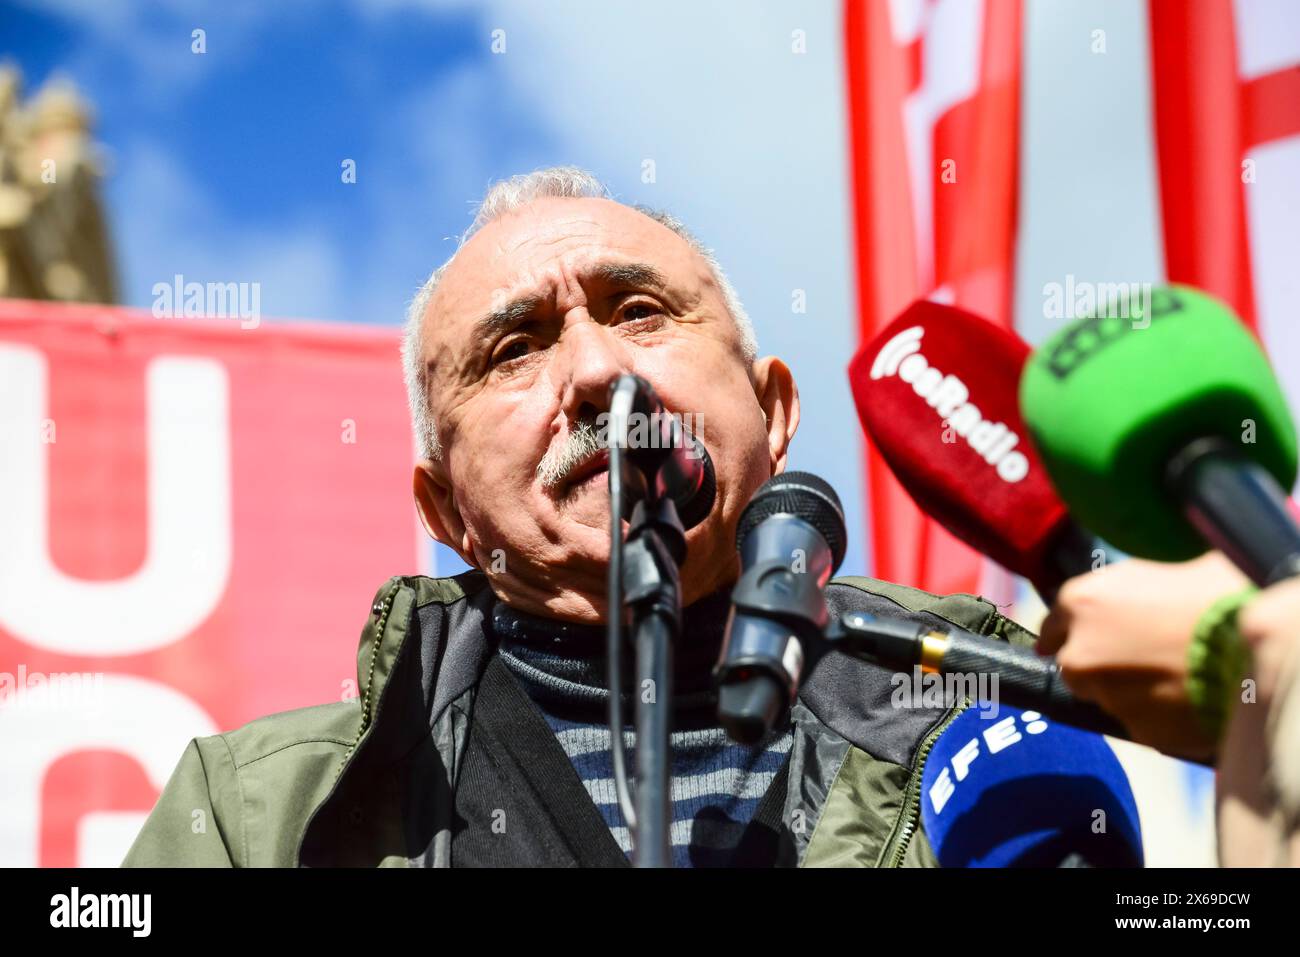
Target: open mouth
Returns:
[589, 474]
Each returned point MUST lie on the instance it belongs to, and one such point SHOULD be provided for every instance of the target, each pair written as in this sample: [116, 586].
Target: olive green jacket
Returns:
[371, 781]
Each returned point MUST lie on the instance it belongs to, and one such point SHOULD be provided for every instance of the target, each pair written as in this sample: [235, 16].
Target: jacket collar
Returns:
[406, 678]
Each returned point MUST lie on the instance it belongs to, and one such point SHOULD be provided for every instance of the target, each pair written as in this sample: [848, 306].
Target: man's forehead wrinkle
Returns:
[553, 232]
[548, 220]
[600, 268]
[532, 288]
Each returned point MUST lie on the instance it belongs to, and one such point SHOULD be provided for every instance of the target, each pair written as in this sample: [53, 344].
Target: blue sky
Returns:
[225, 166]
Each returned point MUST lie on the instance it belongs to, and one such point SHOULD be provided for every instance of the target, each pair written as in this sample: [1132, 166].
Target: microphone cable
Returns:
[622, 396]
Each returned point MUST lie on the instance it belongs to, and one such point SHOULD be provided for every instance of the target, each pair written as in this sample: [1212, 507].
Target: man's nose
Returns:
[591, 357]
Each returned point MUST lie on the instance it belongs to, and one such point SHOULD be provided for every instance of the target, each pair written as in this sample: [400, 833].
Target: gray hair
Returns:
[506, 196]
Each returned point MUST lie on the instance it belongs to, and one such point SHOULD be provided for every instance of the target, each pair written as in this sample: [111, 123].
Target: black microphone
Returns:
[1025, 679]
[791, 538]
[668, 458]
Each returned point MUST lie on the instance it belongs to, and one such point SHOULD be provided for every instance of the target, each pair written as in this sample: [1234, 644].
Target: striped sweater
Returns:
[716, 785]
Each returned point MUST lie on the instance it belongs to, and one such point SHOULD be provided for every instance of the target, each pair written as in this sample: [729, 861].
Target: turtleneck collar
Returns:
[562, 665]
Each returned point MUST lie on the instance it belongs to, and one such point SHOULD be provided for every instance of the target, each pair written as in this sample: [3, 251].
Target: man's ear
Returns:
[438, 511]
[779, 399]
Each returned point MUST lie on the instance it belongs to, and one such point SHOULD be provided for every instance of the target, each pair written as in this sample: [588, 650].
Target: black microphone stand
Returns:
[652, 554]
[645, 587]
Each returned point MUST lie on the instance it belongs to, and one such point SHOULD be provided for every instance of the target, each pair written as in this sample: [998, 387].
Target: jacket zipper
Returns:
[912, 796]
[381, 623]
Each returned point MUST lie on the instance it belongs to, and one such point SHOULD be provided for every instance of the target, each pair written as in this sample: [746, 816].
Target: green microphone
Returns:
[1162, 426]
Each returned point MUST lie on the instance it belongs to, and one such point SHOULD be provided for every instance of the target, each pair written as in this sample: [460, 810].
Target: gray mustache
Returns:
[566, 455]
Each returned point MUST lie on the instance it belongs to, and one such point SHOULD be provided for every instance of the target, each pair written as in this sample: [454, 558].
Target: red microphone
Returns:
[938, 393]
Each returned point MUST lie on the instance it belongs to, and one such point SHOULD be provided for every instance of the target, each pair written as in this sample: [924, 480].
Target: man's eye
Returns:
[641, 310]
[514, 349]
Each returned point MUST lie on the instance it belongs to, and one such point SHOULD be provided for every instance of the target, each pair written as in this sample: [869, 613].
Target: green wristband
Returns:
[1216, 661]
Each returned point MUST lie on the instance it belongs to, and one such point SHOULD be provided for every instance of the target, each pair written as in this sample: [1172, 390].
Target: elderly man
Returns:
[479, 737]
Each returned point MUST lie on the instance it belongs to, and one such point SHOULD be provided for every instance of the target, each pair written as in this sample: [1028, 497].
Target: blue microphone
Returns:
[1018, 790]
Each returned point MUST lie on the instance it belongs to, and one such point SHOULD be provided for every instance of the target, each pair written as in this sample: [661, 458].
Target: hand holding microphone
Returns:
[1166, 431]
[1122, 636]
[938, 394]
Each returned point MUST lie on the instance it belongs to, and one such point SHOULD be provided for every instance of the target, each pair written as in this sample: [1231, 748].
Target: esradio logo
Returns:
[949, 396]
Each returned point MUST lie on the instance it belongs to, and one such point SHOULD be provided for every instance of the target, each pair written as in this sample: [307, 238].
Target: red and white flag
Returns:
[934, 114]
[1226, 85]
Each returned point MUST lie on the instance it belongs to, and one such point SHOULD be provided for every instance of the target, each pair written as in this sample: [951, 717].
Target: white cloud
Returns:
[165, 224]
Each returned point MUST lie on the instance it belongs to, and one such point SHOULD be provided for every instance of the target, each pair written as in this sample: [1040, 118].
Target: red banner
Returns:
[194, 517]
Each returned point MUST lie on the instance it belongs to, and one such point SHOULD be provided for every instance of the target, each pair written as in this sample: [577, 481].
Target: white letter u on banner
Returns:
[187, 563]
